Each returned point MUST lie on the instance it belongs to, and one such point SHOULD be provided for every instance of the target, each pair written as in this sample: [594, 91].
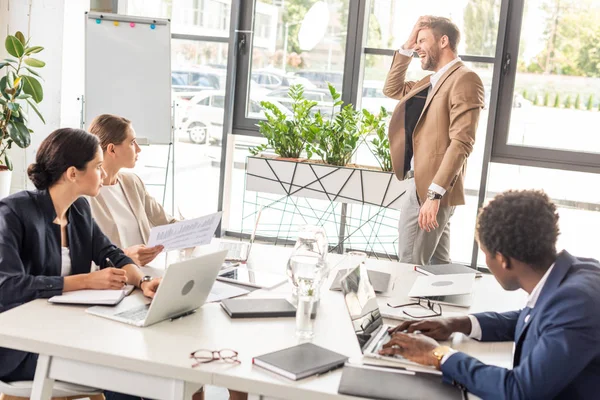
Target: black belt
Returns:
[409, 174]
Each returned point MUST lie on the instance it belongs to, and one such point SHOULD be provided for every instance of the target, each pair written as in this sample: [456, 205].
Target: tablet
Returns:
[251, 277]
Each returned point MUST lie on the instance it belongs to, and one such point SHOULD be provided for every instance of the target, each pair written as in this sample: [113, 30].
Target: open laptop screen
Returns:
[361, 303]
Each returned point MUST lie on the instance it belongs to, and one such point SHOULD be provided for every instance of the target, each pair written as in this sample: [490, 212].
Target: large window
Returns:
[538, 60]
[388, 25]
[294, 42]
[554, 87]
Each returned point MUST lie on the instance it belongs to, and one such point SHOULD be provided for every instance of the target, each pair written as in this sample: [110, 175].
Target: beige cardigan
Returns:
[148, 212]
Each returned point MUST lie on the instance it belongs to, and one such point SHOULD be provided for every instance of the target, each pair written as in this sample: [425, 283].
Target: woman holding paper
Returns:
[124, 209]
[48, 238]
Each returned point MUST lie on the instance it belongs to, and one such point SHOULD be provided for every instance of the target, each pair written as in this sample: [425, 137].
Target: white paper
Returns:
[221, 291]
[188, 233]
[105, 297]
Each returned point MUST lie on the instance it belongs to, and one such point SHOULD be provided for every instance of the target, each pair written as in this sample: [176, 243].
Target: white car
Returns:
[201, 118]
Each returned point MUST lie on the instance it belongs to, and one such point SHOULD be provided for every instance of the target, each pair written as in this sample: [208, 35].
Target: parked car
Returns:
[196, 79]
[201, 119]
[320, 78]
[321, 96]
[274, 79]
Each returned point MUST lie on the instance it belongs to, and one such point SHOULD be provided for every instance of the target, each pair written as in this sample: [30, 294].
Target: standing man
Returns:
[431, 133]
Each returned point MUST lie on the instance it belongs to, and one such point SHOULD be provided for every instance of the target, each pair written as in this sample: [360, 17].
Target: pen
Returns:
[111, 265]
[185, 314]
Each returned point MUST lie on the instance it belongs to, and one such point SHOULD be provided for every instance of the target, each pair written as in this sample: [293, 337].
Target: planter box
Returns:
[324, 182]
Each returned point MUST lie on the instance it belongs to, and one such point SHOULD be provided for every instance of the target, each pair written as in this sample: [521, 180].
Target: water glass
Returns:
[304, 317]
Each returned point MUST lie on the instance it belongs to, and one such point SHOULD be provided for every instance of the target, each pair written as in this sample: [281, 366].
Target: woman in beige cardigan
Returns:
[124, 198]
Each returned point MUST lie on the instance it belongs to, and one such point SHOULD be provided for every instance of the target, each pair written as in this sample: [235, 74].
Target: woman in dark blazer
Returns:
[48, 238]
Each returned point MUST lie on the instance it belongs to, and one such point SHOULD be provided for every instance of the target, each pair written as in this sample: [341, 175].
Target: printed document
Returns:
[188, 233]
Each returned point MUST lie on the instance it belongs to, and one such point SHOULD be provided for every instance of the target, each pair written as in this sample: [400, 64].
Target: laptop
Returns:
[361, 304]
[238, 251]
[184, 288]
[450, 289]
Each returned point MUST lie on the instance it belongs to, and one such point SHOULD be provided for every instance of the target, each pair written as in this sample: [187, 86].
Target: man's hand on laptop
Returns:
[417, 348]
[436, 328]
[149, 288]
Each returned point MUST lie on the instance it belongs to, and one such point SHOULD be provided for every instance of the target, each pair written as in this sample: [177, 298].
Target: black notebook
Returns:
[445, 269]
[258, 308]
[300, 361]
[379, 280]
[394, 384]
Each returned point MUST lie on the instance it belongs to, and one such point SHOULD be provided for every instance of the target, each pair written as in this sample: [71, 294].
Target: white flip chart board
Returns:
[128, 72]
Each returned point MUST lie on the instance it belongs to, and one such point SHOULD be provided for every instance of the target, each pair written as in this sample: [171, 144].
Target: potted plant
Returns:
[334, 139]
[20, 91]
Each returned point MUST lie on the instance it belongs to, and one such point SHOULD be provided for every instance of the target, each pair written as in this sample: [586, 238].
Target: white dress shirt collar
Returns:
[535, 293]
[434, 79]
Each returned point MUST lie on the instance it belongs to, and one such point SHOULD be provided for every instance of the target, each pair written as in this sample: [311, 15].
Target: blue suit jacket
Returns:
[30, 253]
[557, 349]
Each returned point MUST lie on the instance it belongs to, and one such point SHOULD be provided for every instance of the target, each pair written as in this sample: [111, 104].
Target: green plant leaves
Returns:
[33, 72]
[8, 162]
[14, 47]
[19, 133]
[19, 35]
[34, 62]
[33, 50]
[35, 109]
[33, 87]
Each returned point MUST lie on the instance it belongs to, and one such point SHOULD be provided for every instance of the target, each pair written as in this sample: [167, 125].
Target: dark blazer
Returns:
[30, 253]
[557, 348]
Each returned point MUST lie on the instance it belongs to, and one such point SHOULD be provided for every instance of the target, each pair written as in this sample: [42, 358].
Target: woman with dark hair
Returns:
[48, 238]
[124, 197]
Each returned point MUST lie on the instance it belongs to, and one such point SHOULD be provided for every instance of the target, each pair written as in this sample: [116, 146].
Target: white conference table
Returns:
[154, 362]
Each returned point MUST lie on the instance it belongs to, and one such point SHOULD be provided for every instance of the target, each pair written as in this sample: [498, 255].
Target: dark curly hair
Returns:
[522, 225]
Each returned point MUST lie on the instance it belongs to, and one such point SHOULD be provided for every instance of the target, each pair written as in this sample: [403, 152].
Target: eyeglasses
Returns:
[436, 308]
[203, 356]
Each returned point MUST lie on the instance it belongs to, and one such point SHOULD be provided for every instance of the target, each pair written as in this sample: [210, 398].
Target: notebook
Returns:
[300, 361]
[258, 308]
[394, 384]
[444, 269]
[94, 297]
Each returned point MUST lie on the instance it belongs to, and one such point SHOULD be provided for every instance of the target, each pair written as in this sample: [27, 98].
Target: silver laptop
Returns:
[184, 288]
[366, 318]
[238, 251]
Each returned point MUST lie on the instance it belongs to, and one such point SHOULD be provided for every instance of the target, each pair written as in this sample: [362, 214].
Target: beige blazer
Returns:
[148, 212]
[444, 133]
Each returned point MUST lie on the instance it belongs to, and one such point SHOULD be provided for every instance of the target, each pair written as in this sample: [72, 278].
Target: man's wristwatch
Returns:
[146, 278]
[431, 195]
[439, 353]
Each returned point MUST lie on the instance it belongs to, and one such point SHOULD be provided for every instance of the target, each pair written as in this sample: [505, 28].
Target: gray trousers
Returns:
[416, 246]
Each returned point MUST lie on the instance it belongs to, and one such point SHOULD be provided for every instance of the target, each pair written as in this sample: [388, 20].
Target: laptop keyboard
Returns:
[135, 314]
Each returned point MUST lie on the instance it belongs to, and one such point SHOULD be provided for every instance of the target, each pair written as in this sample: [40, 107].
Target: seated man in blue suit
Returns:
[557, 334]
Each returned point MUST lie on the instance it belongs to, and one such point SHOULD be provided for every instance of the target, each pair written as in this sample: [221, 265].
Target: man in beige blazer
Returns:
[431, 133]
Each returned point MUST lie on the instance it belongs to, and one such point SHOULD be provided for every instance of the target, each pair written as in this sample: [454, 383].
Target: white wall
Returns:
[43, 21]
[73, 62]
